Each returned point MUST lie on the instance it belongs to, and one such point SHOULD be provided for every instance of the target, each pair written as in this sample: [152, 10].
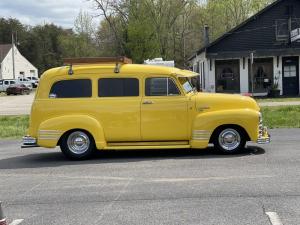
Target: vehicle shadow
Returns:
[56, 159]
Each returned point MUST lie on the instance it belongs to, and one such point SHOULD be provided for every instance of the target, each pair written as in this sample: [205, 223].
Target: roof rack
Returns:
[97, 60]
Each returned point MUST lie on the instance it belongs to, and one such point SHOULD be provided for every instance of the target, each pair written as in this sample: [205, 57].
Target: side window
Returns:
[12, 82]
[6, 82]
[118, 87]
[79, 88]
[161, 86]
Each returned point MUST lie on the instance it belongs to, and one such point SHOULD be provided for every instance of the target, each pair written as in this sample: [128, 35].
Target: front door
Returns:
[290, 76]
[164, 111]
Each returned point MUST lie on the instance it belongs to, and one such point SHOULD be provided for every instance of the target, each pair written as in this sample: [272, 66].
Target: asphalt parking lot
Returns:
[41, 187]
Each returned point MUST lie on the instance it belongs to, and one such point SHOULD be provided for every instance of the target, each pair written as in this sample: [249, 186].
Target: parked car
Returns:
[18, 89]
[34, 81]
[4, 84]
[25, 81]
[115, 105]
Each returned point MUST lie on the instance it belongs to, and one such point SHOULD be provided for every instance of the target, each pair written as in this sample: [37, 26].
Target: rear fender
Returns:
[51, 130]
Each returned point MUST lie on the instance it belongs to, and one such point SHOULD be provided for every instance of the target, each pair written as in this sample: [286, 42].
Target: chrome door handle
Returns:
[147, 102]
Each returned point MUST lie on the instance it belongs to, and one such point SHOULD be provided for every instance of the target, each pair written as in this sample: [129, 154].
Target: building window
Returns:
[282, 28]
[161, 86]
[79, 88]
[228, 76]
[290, 71]
[118, 87]
[262, 75]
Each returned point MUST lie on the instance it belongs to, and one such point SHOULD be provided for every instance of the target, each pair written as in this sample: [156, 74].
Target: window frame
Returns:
[162, 76]
[114, 77]
[71, 98]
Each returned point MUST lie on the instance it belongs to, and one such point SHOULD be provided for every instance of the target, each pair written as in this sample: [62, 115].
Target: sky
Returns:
[34, 12]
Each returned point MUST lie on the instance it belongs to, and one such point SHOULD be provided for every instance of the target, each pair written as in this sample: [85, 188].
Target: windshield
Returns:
[186, 84]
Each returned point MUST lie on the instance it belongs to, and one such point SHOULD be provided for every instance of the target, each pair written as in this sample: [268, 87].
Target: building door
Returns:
[290, 76]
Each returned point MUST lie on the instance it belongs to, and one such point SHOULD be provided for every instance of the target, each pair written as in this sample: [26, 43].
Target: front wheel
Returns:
[229, 140]
[77, 145]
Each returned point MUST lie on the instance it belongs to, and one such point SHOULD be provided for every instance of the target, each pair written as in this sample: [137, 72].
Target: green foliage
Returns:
[140, 29]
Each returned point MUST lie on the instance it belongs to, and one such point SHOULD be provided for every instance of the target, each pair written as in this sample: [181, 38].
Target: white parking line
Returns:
[274, 218]
[16, 222]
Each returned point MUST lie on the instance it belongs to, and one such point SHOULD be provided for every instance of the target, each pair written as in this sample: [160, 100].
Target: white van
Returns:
[4, 84]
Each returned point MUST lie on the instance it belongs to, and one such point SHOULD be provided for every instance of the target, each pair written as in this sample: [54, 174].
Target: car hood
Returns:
[213, 102]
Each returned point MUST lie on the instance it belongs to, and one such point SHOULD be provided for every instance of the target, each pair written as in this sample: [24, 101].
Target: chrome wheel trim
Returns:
[229, 139]
[78, 142]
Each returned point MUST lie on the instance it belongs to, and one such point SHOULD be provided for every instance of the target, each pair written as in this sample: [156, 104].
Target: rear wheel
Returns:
[77, 145]
[229, 140]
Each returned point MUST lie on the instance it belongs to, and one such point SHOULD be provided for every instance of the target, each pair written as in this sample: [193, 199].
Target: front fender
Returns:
[205, 123]
[51, 130]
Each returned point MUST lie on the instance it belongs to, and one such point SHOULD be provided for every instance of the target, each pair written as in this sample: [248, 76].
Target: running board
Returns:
[132, 147]
[147, 143]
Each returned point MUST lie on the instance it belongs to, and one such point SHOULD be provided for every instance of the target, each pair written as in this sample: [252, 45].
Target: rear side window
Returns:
[161, 86]
[79, 88]
[118, 87]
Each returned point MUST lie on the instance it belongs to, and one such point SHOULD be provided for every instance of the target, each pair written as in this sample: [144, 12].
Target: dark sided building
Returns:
[226, 64]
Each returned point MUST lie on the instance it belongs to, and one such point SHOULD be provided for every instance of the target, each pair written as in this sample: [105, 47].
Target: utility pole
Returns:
[13, 54]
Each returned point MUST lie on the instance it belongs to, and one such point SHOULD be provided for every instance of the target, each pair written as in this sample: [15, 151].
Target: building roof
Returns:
[235, 28]
[4, 49]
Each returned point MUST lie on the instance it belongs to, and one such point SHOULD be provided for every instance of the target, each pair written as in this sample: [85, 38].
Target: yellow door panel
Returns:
[120, 116]
[164, 118]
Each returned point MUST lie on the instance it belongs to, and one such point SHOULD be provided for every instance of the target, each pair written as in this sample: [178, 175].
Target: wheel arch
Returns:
[224, 126]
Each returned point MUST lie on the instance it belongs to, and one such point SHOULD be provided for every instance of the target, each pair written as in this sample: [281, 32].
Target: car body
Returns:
[126, 106]
[18, 89]
[34, 81]
[25, 81]
[4, 84]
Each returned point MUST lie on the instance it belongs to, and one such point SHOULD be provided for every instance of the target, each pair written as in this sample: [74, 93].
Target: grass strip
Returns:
[13, 126]
[281, 116]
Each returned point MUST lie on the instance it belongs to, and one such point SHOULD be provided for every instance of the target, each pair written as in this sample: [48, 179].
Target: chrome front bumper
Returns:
[263, 137]
[29, 142]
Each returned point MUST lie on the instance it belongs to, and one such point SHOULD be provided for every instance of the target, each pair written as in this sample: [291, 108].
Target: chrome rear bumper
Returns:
[29, 142]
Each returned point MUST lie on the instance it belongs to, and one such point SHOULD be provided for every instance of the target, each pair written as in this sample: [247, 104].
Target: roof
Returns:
[235, 28]
[130, 69]
[4, 49]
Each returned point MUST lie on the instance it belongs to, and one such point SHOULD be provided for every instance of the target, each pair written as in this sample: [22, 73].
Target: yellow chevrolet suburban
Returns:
[110, 104]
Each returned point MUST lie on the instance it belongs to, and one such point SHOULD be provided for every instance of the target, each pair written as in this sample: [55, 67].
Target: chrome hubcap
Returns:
[229, 139]
[78, 142]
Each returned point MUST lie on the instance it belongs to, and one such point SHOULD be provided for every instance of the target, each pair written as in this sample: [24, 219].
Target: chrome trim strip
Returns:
[48, 138]
[200, 135]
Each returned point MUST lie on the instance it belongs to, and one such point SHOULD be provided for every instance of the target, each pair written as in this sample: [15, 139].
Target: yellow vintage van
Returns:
[110, 104]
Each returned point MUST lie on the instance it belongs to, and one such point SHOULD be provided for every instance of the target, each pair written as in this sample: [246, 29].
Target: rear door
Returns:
[118, 108]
